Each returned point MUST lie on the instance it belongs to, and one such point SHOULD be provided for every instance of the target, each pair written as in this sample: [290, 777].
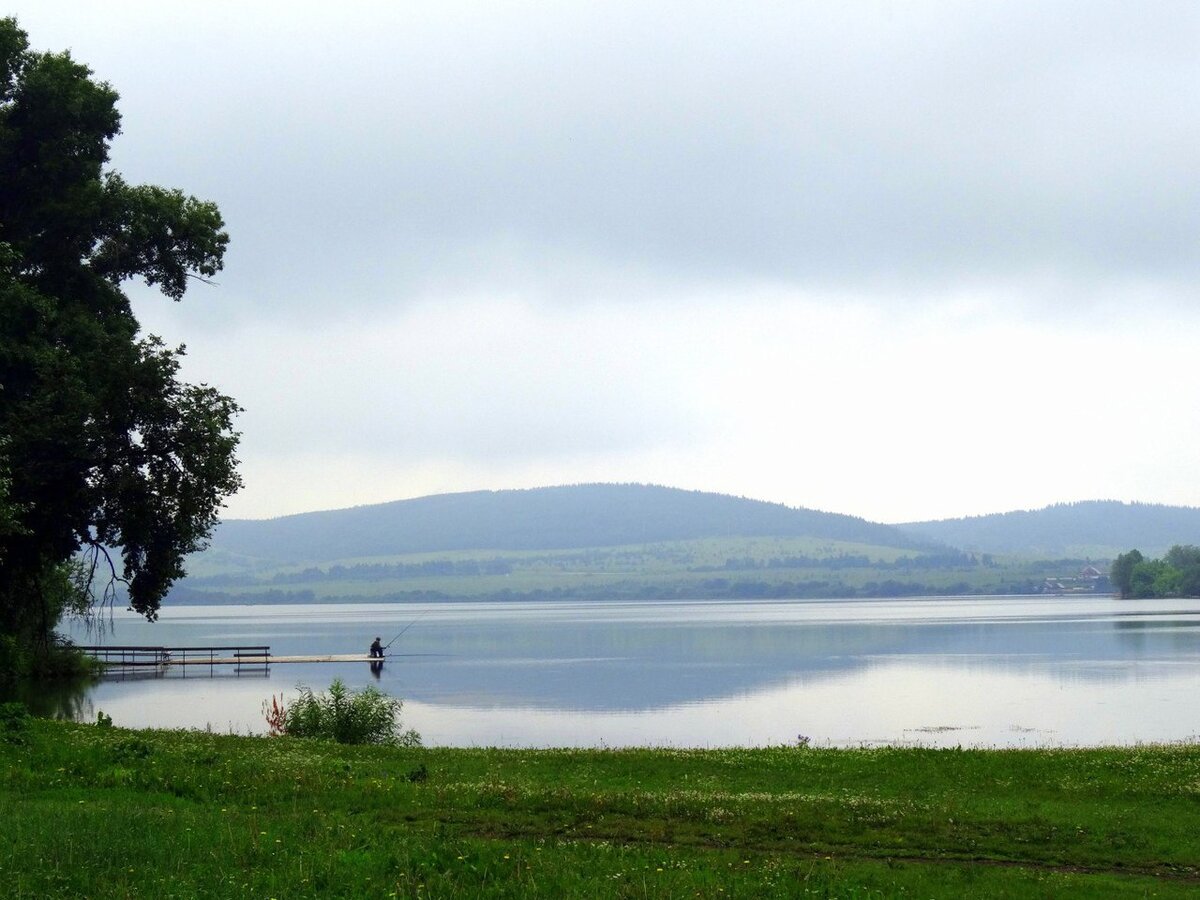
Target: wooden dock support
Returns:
[256, 657]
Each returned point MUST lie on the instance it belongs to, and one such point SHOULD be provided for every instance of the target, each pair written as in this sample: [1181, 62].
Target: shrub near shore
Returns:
[87, 811]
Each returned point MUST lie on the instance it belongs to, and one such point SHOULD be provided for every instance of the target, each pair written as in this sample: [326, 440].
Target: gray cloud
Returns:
[399, 151]
[789, 250]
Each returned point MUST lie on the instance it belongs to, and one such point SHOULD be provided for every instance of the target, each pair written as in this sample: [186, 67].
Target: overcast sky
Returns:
[903, 261]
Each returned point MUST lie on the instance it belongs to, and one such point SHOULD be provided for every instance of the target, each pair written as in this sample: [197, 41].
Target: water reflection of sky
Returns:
[1004, 671]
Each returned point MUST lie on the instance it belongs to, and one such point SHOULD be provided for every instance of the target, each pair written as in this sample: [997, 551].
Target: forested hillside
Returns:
[1099, 529]
[553, 518]
[588, 542]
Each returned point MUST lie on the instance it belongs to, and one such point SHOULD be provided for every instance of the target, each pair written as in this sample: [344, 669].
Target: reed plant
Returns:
[368, 716]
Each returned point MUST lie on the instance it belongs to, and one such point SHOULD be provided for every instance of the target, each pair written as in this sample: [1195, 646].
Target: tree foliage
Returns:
[9, 520]
[1175, 575]
[1122, 572]
[103, 446]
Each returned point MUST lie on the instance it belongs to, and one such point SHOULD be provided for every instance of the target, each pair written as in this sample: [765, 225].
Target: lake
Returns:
[976, 671]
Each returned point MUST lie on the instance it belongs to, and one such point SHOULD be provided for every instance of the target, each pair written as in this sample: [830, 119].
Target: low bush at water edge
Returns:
[368, 716]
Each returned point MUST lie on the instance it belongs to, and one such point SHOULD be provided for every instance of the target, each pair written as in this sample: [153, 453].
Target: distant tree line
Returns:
[709, 589]
[625, 559]
[948, 559]
[1175, 575]
[183, 594]
[432, 568]
[386, 572]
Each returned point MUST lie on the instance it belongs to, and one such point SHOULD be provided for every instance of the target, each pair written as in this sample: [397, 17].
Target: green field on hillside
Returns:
[718, 568]
[660, 556]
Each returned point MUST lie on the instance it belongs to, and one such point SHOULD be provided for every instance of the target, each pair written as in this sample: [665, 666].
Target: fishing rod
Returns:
[404, 629]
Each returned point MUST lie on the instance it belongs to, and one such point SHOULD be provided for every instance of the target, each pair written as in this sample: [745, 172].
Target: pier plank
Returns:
[272, 659]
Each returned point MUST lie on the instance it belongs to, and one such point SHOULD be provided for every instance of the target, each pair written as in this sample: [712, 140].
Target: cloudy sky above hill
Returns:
[902, 261]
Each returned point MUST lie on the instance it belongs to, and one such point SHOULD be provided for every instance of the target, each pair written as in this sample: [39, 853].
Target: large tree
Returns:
[1122, 572]
[109, 457]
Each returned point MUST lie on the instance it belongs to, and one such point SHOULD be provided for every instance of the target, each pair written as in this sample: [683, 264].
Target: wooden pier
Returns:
[242, 657]
[153, 661]
[268, 659]
[125, 657]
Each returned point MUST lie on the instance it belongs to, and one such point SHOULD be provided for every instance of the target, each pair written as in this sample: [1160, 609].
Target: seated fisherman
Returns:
[377, 648]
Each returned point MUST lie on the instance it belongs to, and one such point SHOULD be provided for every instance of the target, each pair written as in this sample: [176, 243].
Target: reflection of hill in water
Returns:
[601, 667]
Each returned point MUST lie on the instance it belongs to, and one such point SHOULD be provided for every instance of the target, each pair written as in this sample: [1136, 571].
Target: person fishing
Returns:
[377, 648]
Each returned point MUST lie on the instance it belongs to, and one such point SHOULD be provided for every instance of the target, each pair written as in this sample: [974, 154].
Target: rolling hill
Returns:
[629, 541]
[551, 518]
[1098, 529]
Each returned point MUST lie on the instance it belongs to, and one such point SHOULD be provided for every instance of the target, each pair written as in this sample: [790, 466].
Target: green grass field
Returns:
[666, 556]
[101, 812]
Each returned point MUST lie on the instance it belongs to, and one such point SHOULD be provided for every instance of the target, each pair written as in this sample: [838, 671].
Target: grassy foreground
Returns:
[102, 812]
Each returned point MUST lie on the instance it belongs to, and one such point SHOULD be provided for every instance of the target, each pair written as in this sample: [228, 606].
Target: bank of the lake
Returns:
[103, 812]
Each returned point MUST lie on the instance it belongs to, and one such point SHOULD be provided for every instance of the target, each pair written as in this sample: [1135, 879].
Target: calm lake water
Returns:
[996, 671]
